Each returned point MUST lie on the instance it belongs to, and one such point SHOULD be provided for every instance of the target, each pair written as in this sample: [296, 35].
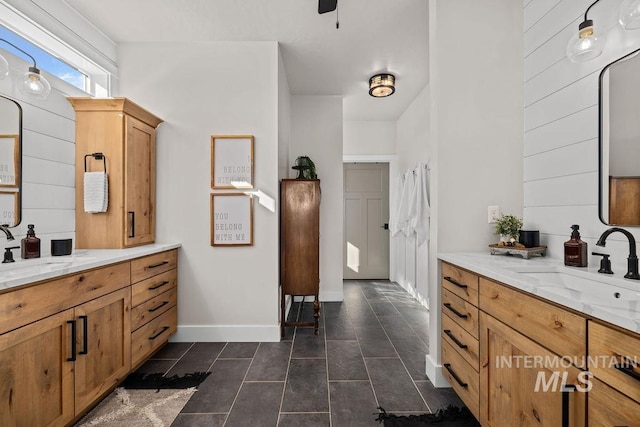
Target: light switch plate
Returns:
[494, 214]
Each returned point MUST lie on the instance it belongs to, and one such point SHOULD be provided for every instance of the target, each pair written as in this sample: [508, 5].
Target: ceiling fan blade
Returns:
[325, 6]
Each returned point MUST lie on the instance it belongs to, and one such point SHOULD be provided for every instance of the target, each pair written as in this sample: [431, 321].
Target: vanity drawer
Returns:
[606, 344]
[152, 336]
[609, 408]
[462, 341]
[461, 282]
[149, 266]
[153, 308]
[555, 328]
[461, 312]
[462, 377]
[26, 305]
[154, 286]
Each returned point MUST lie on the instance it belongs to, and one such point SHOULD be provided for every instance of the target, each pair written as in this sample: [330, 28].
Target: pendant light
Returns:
[31, 82]
[629, 15]
[587, 44]
[382, 85]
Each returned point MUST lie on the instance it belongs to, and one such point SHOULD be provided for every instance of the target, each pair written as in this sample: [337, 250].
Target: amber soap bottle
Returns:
[575, 250]
[30, 244]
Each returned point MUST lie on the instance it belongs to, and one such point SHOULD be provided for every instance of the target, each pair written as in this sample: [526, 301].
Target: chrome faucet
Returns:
[5, 228]
[632, 260]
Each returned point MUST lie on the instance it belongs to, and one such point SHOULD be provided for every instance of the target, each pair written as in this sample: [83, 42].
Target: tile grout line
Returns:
[286, 376]
[235, 399]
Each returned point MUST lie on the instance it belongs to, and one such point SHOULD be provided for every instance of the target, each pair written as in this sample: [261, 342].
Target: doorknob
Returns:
[385, 226]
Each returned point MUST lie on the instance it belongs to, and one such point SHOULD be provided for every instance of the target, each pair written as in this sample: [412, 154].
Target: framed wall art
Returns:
[231, 161]
[8, 207]
[231, 219]
[9, 161]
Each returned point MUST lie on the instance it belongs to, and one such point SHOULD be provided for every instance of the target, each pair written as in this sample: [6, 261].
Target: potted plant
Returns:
[508, 227]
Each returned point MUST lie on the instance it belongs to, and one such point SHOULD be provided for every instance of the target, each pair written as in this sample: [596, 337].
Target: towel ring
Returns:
[97, 156]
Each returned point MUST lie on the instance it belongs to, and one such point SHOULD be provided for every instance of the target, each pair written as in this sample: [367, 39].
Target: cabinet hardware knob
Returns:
[85, 333]
[164, 329]
[159, 285]
[454, 339]
[458, 284]
[456, 312]
[151, 310]
[73, 340]
[455, 377]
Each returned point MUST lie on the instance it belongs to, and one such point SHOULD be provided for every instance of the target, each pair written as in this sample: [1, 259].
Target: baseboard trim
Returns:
[331, 296]
[227, 333]
[434, 373]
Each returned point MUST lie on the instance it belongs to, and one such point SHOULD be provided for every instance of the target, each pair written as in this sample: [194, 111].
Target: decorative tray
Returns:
[513, 250]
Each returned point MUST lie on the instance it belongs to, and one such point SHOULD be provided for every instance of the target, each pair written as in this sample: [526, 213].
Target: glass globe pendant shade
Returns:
[629, 15]
[587, 45]
[4, 67]
[33, 84]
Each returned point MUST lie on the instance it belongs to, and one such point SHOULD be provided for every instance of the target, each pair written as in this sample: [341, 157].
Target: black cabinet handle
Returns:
[456, 312]
[158, 264]
[455, 377]
[164, 329]
[73, 340]
[85, 333]
[132, 216]
[454, 339]
[627, 369]
[565, 403]
[458, 284]
[151, 310]
[159, 285]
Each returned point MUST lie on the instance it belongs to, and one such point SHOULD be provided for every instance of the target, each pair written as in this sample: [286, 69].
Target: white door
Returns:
[366, 218]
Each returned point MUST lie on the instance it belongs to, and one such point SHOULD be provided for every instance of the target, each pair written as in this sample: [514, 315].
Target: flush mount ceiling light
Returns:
[30, 83]
[382, 85]
[587, 44]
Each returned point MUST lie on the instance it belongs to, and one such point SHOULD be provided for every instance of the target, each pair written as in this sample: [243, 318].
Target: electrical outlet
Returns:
[494, 214]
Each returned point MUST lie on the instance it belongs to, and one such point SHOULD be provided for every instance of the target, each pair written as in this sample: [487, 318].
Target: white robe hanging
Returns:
[421, 212]
[405, 205]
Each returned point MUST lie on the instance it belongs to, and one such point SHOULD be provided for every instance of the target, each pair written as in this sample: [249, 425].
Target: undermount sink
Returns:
[560, 285]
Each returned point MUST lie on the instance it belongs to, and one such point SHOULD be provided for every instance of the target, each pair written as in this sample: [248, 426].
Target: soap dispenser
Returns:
[575, 250]
[30, 244]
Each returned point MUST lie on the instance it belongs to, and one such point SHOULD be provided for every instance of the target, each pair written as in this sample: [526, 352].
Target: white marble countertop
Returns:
[25, 271]
[611, 298]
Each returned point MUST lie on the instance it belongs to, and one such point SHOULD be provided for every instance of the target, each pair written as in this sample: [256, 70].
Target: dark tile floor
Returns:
[370, 352]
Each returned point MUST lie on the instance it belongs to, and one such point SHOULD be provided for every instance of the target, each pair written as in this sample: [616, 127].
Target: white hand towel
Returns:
[96, 192]
[421, 211]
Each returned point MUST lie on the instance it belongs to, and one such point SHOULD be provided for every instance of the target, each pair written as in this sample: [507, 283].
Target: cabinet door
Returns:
[140, 182]
[36, 386]
[104, 345]
[521, 381]
[607, 407]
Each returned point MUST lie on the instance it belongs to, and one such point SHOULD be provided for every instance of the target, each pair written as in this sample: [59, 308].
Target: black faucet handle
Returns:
[605, 263]
[8, 255]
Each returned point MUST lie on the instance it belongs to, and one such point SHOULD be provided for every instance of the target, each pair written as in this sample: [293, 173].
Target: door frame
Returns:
[392, 160]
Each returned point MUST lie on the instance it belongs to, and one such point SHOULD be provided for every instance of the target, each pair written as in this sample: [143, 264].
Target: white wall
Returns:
[284, 121]
[561, 125]
[316, 131]
[411, 260]
[48, 159]
[369, 137]
[476, 130]
[225, 294]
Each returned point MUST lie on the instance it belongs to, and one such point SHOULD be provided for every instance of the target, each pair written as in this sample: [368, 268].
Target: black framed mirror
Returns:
[619, 142]
[10, 162]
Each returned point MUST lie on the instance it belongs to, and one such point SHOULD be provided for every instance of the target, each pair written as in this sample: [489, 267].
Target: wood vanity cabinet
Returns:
[126, 134]
[614, 399]
[65, 343]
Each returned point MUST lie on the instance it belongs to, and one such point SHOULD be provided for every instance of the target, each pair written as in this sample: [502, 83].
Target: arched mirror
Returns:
[620, 141]
[10, 162]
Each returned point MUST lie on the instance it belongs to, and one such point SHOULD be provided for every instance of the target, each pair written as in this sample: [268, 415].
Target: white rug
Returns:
[139, 408]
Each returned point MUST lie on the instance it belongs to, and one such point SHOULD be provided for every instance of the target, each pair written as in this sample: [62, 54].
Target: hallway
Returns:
[370, 352]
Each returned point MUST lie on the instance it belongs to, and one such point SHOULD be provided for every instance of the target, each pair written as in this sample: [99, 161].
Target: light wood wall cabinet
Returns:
[65, 343]
[126, 134]
[300, 244]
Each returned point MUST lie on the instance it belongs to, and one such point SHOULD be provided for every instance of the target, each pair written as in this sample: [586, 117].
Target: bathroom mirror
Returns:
[10, 162]
[619, 171]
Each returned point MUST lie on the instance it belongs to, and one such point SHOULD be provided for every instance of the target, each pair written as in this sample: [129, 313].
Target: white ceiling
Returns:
[374, 36]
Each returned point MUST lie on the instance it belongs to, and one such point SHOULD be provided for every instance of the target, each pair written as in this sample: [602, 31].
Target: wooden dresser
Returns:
[299, 245]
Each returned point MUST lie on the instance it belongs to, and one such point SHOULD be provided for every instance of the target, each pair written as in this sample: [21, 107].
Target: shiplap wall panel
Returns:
[568, 130]
[578, 96]
[570, 160]
[48, 162]
[561, 124]
[544, 192]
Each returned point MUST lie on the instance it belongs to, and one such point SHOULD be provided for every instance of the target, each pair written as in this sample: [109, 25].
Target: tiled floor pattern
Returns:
[370, 352]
